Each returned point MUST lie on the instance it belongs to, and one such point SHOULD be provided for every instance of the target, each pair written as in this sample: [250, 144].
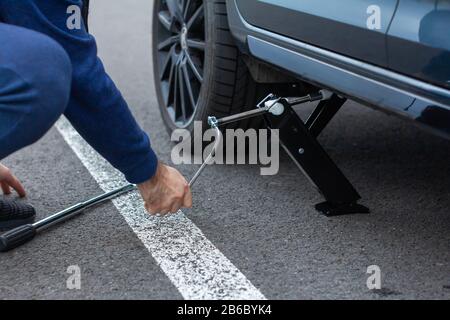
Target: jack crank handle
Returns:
[25, 233]
[17, 237]
[217, 141]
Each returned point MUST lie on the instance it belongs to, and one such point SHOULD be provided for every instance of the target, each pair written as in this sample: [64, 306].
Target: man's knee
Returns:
[49, 73]
[43, 65]
[53, 73]
[35, 85]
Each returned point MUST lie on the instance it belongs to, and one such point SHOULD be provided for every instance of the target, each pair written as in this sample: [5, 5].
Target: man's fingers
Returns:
[149, 209]
[163, 209]
[5, 188]
[172, 206]
[187, 201]
[164, 212]
[16, 185]
[157, 209]
[175, 207]
[7, 180]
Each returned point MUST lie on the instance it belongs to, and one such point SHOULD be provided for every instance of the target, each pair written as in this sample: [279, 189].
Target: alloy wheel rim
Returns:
[180, 49]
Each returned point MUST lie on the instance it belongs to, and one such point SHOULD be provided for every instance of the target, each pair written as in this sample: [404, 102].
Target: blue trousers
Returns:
[34, 92]
[48, 69]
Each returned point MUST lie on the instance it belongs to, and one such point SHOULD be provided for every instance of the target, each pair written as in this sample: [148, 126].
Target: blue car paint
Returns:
[400, 92]
[418, 41]
[338, 79]
[328, 24]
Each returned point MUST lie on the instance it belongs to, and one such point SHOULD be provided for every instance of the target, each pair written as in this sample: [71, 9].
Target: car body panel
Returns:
[334, 77]
[418, 41]
[374, 85]
[339, 26]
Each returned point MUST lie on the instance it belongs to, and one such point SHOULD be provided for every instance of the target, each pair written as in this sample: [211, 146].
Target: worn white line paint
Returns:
[191, 262]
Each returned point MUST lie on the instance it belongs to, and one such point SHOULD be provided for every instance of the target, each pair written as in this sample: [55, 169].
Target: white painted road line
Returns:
[192, 263]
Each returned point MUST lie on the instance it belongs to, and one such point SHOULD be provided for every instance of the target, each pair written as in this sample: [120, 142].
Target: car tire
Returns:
[225, 86]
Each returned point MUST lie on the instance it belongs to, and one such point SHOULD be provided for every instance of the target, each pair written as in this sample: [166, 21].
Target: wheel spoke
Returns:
[197, 14]
[168, 62]
[169, 41]
[196, 44]
[165, 19]
[180, 57]
[171, 86]
[187, 5]
[182, 94]
[175, 10]
[194, 68]
[188, 86]
[176, 97]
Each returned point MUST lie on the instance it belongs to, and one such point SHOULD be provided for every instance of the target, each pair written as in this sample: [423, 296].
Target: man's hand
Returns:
[166, 192]
[8, 181]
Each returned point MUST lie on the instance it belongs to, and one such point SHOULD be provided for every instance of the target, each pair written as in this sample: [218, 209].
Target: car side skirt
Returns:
[408, 97]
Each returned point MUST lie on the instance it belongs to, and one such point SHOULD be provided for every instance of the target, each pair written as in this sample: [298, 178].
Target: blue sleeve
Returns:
[96, 109]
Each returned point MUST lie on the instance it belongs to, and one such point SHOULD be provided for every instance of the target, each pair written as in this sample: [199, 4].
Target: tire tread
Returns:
[232, 79]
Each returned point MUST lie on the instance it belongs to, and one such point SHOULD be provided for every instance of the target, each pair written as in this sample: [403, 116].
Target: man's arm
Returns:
[96, 108]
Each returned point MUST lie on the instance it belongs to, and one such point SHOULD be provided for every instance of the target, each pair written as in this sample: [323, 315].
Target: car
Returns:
[217, 57]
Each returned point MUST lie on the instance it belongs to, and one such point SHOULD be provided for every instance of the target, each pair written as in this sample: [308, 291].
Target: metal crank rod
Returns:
[22, 234]
[273, 109]
[269, 104]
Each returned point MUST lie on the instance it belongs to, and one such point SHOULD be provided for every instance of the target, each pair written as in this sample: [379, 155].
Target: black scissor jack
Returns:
[299, 141]
[298, 138]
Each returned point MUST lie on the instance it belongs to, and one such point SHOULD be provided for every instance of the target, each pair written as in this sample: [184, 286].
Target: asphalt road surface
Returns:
[248, 236]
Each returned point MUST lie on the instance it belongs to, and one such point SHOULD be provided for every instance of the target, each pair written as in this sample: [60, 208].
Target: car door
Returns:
[355, 28]
[419, 40]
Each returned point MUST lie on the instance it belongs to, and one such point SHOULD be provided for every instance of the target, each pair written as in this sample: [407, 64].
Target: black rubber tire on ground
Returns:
[226, 88]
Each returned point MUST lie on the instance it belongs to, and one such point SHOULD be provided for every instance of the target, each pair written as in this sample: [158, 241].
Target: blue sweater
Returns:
[96, 108]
